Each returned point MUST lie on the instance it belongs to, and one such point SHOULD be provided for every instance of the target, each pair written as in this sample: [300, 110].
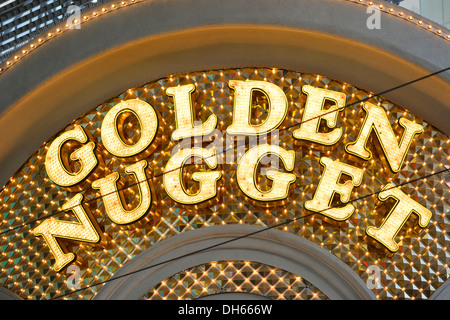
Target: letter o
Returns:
[148, 122]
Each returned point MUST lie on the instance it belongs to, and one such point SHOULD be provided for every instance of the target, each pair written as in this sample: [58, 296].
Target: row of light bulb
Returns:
[99, 12]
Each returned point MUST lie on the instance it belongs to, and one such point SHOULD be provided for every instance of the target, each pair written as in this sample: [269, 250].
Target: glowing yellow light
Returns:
[54, 165]
[277, 101]
[329, 185]
[246, 173]
[377, 120]
[314, 113]
[112, 199]
[173, 176]
[184, 114]
[85, 230]
[397, 217]
[148, 122]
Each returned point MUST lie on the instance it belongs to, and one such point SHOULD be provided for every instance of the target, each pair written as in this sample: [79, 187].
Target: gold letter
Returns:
[54, 164]
[329, 185]
[173, 176]
[112, 198]
[246, 173]
[377, 120]
[85, 231]
[314, 113]
[397, 217]
[184, 114]
[278, 106]
[148, 121]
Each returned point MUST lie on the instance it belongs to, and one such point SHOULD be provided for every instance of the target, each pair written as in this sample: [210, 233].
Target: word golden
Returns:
[315, 116]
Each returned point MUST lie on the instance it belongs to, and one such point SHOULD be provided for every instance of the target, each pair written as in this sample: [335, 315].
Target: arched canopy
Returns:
[81, 68]
[236, 242]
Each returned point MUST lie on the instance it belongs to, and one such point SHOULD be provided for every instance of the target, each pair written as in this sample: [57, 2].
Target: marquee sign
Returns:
[239, 146]
[375, 121]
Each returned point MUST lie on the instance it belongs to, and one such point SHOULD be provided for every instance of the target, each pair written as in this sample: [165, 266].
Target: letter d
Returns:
[225, 309]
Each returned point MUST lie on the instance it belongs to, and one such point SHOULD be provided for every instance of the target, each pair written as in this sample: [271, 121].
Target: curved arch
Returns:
[443, 292]
[78, 70]
[6, 294]
[274, 247]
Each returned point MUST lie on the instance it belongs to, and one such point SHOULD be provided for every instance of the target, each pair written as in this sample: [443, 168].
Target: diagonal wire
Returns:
[226, 149]
[372, 96]
[264, 229]
[244, 236]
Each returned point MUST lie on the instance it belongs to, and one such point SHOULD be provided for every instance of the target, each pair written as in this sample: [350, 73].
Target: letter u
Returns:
[112, 200]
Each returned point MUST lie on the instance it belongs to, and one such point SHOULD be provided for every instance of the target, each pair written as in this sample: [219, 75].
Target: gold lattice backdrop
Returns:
[414, 272]
[220, 277]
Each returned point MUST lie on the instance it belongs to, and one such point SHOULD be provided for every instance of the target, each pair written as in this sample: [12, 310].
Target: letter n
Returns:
[85, 230]
[377, 120]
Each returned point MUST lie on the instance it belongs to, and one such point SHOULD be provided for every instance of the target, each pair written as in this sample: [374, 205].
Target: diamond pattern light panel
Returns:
[221, 277]
[415, 271]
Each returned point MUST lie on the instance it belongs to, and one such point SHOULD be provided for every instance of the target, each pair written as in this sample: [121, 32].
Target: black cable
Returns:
[258, 231]
[185, 255]
[243, 236]
[370, 97]
[277, 225]
[281, 129]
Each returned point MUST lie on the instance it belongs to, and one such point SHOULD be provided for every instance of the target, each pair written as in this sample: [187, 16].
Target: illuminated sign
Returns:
[318, 125]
